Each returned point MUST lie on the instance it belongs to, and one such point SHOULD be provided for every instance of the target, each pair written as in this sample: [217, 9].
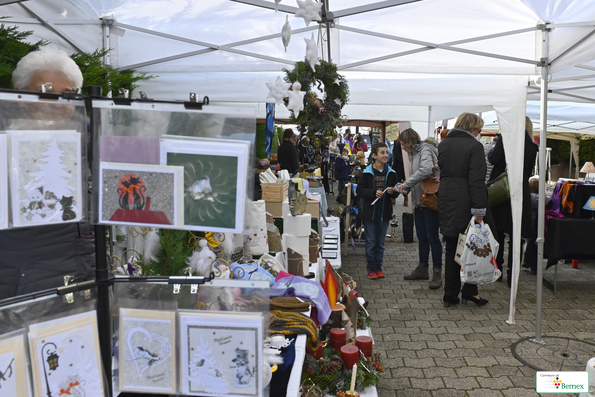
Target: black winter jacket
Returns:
[463, 190]
[288, 157]
[366, 191]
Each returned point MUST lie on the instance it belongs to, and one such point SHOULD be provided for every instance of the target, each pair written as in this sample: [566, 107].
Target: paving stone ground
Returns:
[464, 350]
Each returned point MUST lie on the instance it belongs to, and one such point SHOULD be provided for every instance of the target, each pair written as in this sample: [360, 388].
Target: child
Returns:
[376, 182]
[342, 171]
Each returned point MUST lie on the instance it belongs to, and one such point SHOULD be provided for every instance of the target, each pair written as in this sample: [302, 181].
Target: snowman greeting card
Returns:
[147, 352]
[65, 357]
[221, 354]
[45, 177]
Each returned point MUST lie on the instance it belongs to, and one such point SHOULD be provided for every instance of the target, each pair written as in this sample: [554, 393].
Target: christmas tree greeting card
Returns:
[14, 375]
[147, 349]
[140, 194]
[215, 175]
[46, 177]
[221, 354]
[65, 357]
[3, 182]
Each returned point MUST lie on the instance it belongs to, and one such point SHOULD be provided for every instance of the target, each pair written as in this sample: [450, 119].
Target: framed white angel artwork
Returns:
[14, 373]
[65, 358]
[45, 177]
[221, 354]
[147, 351]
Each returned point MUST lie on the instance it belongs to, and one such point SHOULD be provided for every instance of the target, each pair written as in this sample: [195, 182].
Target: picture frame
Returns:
[147, 351]
[215, 180]
[221, 353]
[65, 356]
[14, 372]
[141, 195]
[3, 182]
[46, 177]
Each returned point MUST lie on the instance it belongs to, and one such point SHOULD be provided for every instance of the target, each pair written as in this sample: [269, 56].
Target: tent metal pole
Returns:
[542, 172]
[570, 163]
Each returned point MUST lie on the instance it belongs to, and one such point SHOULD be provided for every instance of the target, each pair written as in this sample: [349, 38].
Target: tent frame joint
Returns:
[544, 27]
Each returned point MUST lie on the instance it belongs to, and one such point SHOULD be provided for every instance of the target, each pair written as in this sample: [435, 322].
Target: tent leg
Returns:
[541, 207]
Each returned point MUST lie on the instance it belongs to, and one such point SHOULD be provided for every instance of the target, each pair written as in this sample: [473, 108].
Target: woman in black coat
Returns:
[462, 195]
[503, 213]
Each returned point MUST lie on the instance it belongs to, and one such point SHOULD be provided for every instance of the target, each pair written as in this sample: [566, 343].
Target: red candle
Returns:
[316, 354]
[364, 343]
[349, 355]
[338, 338]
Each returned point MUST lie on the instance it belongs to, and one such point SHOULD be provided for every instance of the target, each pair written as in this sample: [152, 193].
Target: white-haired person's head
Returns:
[49, 64]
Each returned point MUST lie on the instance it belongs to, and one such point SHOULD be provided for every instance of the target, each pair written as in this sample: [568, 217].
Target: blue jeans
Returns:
[426, 226]
[375, 233]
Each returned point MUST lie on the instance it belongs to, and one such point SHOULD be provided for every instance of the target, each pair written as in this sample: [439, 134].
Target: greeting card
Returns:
[3, 182]
[14, 375]
[147, 351]
[46, 177]
[215, 174]
[65, 357]
[140, 194]
[221, 354]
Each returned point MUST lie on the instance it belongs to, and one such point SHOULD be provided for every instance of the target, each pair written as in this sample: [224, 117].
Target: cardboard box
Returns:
[274, 192]
[276, 209]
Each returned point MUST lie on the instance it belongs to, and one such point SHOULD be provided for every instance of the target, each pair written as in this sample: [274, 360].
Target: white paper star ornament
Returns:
[309, 10]
[278, 90]
[312, 52]
[286, 33]
[296, 99]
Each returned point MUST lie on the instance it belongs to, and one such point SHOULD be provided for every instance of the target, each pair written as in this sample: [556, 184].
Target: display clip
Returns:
[69, 297]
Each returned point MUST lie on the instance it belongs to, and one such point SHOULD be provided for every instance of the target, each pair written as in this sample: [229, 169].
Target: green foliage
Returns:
[175, 249]
[561, 151]
[95, 73]
[319, 115]
[13, 46]
[261, 141]
[277, 138]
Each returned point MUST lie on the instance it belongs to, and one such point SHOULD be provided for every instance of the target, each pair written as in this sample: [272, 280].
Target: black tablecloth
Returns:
[569, 238]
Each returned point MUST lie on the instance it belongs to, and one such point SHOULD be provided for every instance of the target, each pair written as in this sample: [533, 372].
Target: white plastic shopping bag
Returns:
[478, 260]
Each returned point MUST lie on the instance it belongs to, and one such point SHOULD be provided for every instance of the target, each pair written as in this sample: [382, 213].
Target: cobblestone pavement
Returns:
[464, 350]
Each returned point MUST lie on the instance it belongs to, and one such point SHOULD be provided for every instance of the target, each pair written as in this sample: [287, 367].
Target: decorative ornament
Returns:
[311, 118]
[286, 32]
[278, 90]
[201, 259]
[296, 99]
[309, 10]
[312, 52]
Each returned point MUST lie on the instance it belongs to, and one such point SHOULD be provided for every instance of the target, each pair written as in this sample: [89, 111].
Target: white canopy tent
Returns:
[419, 61]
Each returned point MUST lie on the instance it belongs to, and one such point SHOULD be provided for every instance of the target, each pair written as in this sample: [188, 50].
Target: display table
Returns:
[569, 238]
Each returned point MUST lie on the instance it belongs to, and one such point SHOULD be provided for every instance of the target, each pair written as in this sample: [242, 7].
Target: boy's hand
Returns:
[379, 193]
[389, 190]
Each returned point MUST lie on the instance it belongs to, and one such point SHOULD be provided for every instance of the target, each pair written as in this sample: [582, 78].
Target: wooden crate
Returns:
[274, 192]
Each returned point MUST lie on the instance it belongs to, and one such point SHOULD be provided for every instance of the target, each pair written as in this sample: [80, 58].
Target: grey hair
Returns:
[47, 59]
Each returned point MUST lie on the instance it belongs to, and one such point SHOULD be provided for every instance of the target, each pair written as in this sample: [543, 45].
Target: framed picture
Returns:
[14, 375]
[140, 194]
[147, 351]
[3, 183]
[65, 356]
[46, 177]
[215, 173]
[221, 354]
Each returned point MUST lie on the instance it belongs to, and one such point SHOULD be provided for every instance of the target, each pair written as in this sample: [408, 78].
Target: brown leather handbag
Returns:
[429, 187]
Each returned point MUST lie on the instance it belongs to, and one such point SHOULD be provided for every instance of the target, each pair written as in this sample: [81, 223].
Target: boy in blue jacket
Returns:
[376, 189]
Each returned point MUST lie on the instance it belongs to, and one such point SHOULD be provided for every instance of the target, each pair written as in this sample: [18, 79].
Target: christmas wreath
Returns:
[320, 115]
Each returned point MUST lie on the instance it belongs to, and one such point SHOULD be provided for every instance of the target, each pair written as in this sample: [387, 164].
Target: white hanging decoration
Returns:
[312, 52]
[152, 245]
[286, 32]
[227, 243]
[338, 81]
[278, 90]
[277, 5]
[201, 259]
[338, 101]
[296, 99]
[309, 10]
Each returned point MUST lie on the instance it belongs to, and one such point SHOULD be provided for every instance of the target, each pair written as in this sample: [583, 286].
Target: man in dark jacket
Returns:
[288, 154]
[375, 189]
[38, 258]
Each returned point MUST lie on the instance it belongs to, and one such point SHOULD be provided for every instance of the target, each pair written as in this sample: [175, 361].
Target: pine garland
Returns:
[320, 115]
[175, 249]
